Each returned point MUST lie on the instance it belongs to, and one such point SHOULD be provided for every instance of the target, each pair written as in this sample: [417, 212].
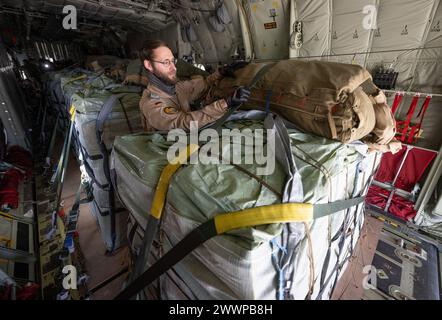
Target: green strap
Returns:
[64, 160]
[82, 77]
[197, 237]
[210, 229]
[325, 209]
[218, 123]
[260, 74]
[151, 228]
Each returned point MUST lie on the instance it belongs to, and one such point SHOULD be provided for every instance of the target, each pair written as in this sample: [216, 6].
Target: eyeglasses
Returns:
[167, 62]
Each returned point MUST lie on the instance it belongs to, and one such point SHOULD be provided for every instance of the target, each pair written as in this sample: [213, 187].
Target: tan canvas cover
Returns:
[333, 100]
[136, 74]
[99, 62]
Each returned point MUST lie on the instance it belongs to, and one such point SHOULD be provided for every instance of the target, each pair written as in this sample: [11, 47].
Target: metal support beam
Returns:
[16, 255]
[412, 93]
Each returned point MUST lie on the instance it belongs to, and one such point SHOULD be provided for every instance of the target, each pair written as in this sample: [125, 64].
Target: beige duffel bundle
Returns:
[136, 73]
[333, 100]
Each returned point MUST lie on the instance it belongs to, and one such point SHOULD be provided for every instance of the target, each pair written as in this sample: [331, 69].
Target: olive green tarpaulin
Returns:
[88, 92]
[238, 265]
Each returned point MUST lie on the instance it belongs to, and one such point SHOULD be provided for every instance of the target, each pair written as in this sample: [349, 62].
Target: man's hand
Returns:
[229, 69]
[240, 96]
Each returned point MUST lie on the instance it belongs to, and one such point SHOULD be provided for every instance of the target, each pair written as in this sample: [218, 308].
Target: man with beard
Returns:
[165, 104]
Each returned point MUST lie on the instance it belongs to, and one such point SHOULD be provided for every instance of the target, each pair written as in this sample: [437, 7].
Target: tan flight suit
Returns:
[161, 111]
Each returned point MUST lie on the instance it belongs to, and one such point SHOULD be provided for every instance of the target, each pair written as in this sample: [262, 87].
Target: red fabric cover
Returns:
[20, 158]
[28, 292]
[414, 166]
[10, 180]
[399, 206]
[5, 292]
[9, 188]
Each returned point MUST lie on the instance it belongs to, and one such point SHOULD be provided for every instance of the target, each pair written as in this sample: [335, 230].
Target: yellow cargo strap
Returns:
[159, 198]
[72, 112]
[7, 216]
[83, 76]
[6, 241]
[277, 213]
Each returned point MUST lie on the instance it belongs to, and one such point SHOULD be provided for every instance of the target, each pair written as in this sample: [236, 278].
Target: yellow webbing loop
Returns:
[6, 241]
[72, 111]
[6, 216]
[83, 76]
[163, 183]
[277, 213]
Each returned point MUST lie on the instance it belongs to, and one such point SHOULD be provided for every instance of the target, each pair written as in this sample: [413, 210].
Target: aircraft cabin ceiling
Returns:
[405, 36]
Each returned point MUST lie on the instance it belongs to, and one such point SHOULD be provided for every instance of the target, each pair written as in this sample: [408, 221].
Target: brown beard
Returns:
[164, 78]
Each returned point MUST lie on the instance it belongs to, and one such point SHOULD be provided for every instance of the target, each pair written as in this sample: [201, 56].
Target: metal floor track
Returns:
[406, 264]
